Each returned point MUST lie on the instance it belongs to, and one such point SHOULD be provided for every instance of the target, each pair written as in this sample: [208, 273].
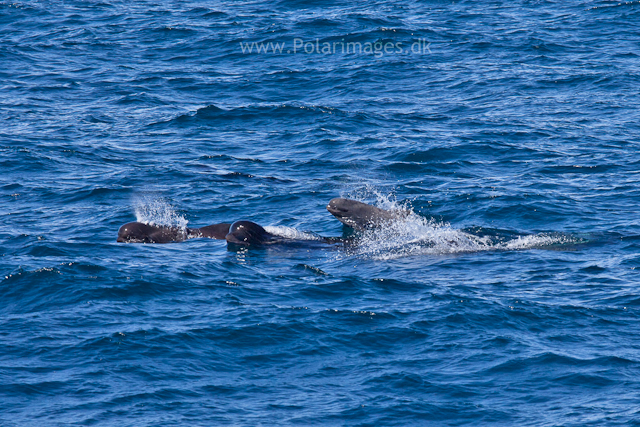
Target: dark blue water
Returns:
[509, 297]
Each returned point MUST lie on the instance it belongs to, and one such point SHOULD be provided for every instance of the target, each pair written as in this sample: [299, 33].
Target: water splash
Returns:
[158, 211]
[416, 235]
[386, 201]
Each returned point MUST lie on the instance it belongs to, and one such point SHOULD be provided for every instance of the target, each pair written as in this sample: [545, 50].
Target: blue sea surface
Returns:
[508, 297]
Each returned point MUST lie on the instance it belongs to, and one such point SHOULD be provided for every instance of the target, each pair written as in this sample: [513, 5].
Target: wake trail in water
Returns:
[408, 235]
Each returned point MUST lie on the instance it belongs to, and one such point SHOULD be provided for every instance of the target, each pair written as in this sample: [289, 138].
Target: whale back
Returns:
[138, 232]
[214, 231]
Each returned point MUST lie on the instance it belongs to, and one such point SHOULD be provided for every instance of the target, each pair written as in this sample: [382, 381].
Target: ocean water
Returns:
[508, 297]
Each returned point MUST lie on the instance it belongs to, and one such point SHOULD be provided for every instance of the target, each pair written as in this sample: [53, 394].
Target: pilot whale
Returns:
[247, 233]
[139, 232]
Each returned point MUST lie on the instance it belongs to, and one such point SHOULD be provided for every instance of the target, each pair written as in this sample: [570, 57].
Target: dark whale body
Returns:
[139, 232]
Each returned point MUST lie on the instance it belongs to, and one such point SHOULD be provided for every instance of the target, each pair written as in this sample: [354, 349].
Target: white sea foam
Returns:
[290, 233]
[537, 241]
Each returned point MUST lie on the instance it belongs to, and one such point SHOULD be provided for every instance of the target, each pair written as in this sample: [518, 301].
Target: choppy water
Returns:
[508, 297]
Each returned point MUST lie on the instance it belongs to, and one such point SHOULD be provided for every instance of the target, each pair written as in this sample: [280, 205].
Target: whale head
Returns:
[360, 215]
[135, 232]
[246, 233]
